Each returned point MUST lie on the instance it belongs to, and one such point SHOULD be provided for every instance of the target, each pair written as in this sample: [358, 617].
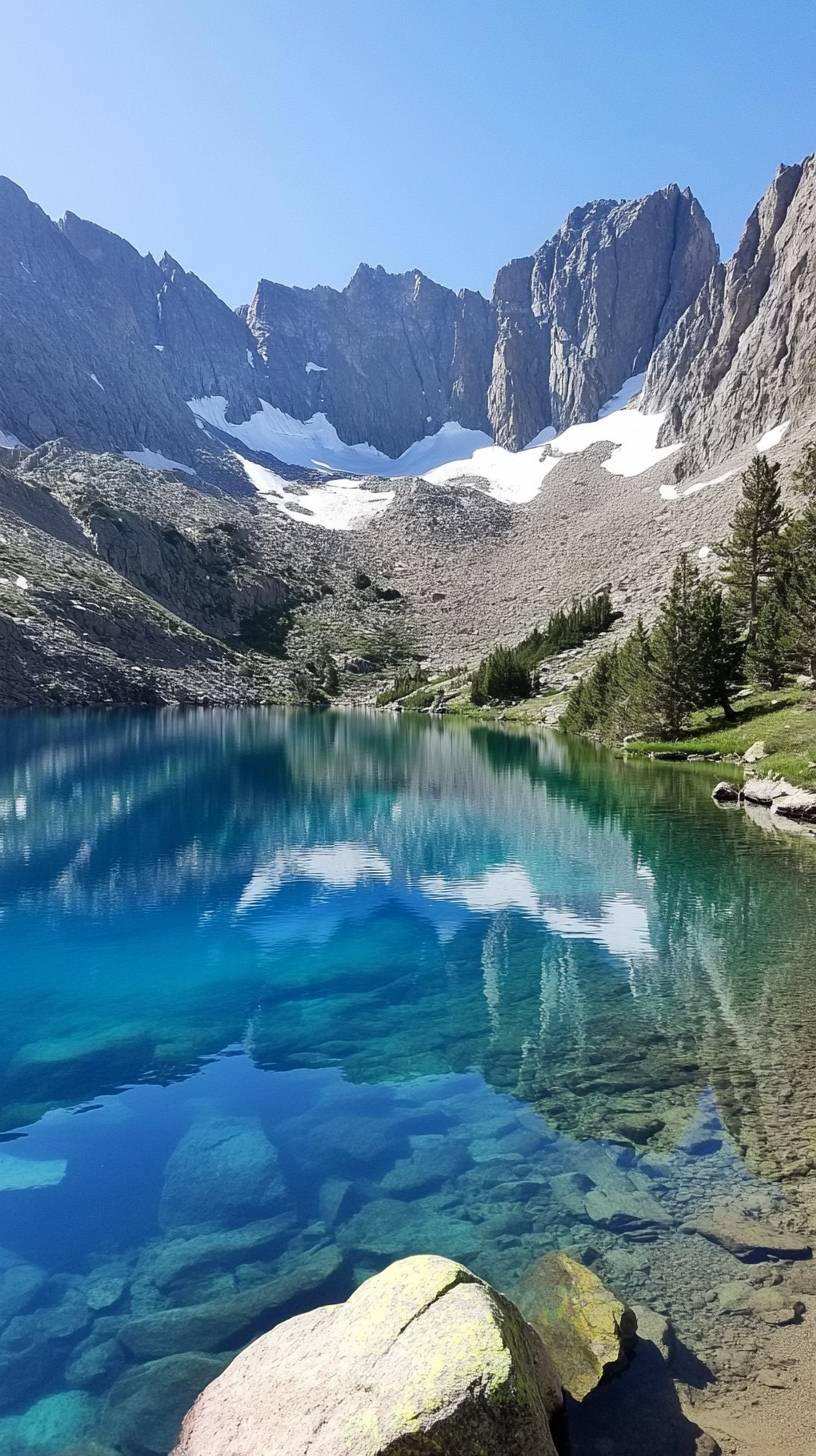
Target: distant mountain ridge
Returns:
[104, 347]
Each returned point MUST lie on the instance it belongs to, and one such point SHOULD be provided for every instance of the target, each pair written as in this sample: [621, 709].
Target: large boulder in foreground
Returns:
[422, 1358]
[586, 1329]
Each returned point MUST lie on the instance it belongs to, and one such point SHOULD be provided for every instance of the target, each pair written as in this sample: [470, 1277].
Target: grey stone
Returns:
[145, 1407]
[747, 1238]
[222, 1171]
[223, 1323]
[423, 1357]
[760, 306]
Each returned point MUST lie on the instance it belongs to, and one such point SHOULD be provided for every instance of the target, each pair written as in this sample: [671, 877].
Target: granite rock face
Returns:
[388, 359]
[585, 312]
[422, 1358]
[103, 347]
[740, 361]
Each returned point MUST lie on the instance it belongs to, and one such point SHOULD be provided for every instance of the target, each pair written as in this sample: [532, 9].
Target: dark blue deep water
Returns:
[286, 996]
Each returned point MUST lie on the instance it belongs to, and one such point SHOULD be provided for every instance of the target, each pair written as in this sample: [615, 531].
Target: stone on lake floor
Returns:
[609, 1196]
[179, 1258]
[223, 1171]
[334, 1198]
[94, 1362]
[20, 1175]
[423, 1357]
[77, 1065]
[145, 1407]
[386, 1227]
[55, 1423]
[226, 1322]
[334, 1140]
[104, 1288]
[746, 1238]
[432, 1161]
[19, 1286]
[585, 1328]
[657, 1329]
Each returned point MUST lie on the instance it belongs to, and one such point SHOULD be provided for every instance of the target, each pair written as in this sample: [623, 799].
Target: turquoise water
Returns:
[287, 996]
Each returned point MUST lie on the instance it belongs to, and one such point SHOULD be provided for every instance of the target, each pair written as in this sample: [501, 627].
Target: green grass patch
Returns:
[784, 720]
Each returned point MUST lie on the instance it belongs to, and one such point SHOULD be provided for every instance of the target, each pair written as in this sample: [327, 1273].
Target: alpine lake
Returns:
[286, 996]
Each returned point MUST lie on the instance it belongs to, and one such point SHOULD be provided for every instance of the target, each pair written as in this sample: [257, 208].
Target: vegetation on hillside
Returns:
[761, 621]
[506, 674]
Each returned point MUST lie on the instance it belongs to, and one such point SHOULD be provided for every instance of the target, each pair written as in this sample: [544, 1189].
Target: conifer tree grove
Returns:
[751, 554]
[718, 649]
[674, 650]
[765, 658]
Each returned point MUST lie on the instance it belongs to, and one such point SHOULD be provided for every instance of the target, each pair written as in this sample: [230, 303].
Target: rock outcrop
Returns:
[587, 1331]
[585, 313]
[740, 361]
[423, 1357]
[106, 346]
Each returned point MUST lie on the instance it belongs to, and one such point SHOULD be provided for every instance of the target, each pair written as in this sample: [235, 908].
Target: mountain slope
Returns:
[587, 310]
[104, 348]
[740, 362]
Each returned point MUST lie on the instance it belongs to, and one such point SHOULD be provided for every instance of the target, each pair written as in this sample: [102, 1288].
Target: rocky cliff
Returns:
[104, 347]
[585, 312]
[740, 360]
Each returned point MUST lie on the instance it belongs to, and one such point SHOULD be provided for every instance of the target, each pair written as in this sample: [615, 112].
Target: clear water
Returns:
[355, 987]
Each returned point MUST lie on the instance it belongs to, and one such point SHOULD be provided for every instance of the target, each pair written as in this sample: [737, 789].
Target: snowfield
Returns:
[155, 461]
[451, 453]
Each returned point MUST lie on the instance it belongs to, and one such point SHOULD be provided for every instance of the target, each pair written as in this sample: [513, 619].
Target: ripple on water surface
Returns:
[286, 997]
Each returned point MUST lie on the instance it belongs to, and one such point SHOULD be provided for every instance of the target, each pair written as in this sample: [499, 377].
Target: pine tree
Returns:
[632, 710]
[717, 647]
[674, 668]
[800, 564]
[765, 658]
[750, 554]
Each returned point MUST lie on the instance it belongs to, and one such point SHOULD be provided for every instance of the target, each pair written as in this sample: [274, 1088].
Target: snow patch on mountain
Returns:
[9, 441]
[772, 437]
[628, 391]
[676, 492]
[337, 505]
[512, 477]
[451, 453]
[633, 434]
[156, 461]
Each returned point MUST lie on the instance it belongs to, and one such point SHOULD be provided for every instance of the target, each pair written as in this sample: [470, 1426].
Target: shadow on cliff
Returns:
[638, 1413]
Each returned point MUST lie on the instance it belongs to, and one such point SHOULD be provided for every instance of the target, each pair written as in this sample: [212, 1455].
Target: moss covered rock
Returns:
[422, 1358]
[585, 1328]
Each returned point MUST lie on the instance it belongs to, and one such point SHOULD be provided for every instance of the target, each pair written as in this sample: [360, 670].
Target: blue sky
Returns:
[293, 138]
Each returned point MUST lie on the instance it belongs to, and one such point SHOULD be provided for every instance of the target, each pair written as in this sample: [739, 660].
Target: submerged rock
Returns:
[227, 1322]
[387, 1226]
[433, 1160]
[422, 1358]
[55, 1423]
[179, 1258]
[585, 1328]
[746, 1237]
[20, 1175]
[144, 1409]
[609, 1196]
[223, 1171]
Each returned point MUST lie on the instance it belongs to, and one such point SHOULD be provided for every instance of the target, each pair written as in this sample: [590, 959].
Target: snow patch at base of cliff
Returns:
[156, 461]
[452, 453]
